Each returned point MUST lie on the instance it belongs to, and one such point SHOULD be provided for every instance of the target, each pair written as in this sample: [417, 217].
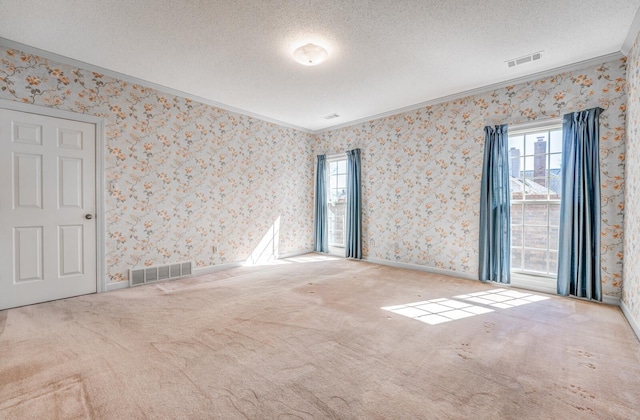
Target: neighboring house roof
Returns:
[527, 186]
[531, 187]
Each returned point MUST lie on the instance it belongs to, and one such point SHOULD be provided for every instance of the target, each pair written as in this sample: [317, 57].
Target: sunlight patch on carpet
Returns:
[438, 311]
[502, 298]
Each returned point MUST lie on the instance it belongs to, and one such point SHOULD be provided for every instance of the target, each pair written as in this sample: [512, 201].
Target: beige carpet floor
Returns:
[308, 339]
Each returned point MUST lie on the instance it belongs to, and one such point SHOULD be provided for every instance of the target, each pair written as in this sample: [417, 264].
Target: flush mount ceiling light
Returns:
[310, 54]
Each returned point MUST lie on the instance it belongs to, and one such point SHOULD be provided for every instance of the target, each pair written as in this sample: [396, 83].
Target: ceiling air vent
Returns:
[331, 116]
[525, 59]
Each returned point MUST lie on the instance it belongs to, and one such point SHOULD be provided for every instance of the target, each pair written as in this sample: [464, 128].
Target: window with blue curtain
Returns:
[353, 243]
[495, 232]
[579, 241]
[320, 235]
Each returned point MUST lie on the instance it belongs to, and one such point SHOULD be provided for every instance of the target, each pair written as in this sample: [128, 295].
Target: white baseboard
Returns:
[295, 253]
[214, 268]
[196, 271]
[548, 286]
[634, 323]
[611, 300]
[532, 287]
[418, 267]
[534, 283]
[116, 285]
[210, 269]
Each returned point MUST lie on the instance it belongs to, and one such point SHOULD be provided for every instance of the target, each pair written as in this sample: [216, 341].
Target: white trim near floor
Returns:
[627, 314]
[294, 253]
[611, 300]
[198, 271]
[418, 267]
[215, 268]
[535, 283]
[101, 279]
[608, 300]
[336, 251]
[116, 285]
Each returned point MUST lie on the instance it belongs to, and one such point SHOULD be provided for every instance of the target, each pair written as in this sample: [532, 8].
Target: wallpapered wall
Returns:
[186, 176]
[189, 176]
[421, 170]
[631, 287]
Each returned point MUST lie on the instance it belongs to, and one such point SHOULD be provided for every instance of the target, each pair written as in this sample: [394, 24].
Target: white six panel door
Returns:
[47, 206]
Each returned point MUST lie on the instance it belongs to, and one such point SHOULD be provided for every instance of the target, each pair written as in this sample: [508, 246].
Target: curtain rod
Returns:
[337, 155]
[530, 125]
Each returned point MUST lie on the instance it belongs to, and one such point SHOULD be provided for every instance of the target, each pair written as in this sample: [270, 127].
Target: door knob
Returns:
[88, 216]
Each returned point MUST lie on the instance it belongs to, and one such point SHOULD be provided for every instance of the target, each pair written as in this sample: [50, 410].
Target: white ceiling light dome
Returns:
[310, 54]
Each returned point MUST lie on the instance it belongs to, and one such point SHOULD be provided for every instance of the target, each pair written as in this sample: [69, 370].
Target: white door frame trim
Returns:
[100, 124]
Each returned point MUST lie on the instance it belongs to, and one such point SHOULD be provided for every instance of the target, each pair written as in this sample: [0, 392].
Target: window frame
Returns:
[334, 248]
[524, 130]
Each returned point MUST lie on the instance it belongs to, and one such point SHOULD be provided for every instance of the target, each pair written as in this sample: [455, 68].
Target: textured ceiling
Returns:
[383, 55]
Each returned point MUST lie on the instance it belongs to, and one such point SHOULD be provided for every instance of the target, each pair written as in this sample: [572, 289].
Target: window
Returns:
[337, 203]
[535, 158]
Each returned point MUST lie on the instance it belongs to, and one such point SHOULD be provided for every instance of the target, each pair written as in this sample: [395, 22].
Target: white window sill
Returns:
[337, 251]
[535, 283]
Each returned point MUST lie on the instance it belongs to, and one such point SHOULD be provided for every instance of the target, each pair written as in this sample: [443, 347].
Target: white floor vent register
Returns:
[146, 275]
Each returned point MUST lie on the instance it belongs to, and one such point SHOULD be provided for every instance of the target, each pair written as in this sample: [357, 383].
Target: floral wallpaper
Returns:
[421, 170]
[182, 177]
[631, 285]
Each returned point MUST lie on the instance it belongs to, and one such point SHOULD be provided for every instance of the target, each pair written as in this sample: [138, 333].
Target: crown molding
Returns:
[134, 80]
[631, 35]
[484, 89]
